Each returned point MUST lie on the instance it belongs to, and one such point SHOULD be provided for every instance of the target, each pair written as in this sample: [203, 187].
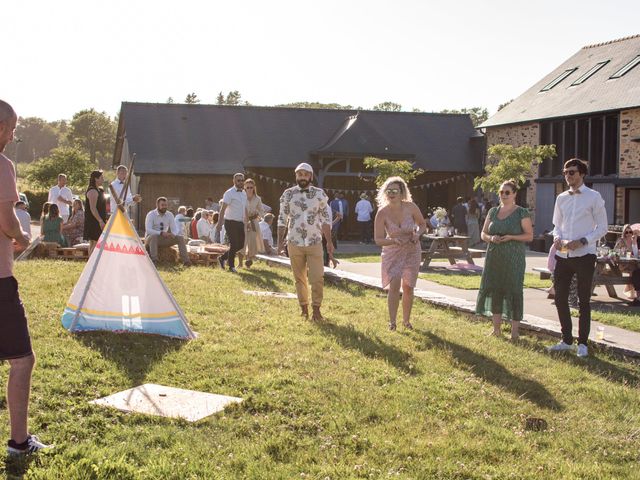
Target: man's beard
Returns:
[302, 183]
[162, 210]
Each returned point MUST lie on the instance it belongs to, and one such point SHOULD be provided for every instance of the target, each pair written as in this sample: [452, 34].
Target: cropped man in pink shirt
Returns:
[15, 344]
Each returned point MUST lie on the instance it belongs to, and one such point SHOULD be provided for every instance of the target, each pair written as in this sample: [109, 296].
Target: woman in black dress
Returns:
[95, 209]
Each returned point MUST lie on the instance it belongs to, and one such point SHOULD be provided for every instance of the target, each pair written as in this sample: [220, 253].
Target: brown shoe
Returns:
[304, 311]
[317, 316]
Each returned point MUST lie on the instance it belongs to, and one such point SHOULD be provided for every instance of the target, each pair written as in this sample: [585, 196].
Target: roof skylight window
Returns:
[583, 78]
[558, 79]
[627, 68]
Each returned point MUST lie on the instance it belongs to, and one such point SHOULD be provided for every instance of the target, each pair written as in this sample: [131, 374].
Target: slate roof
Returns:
[598, 93]
[213, 139]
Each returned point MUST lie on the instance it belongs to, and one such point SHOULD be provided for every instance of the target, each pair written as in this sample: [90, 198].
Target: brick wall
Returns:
[629, 151]
[519, 135]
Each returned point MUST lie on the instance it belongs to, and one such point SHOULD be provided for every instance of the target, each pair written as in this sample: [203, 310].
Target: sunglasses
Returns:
[506, 193]
[569, 172]
[628, 232]
[248, 188]
[393, 191]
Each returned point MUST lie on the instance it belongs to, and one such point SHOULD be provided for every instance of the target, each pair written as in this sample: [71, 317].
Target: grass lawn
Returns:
[342, 399]
[471, 281]
[358, 257]
[630, 320]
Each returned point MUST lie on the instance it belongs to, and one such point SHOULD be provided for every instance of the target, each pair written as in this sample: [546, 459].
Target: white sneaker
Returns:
[33, 445]
[560, 347]
[582, 351]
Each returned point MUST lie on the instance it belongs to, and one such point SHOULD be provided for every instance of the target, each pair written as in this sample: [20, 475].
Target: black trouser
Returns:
[583, 267]
[235, 233]
[364, 232]
[635, 279]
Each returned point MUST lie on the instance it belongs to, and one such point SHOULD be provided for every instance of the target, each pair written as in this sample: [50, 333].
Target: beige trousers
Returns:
[311, 258]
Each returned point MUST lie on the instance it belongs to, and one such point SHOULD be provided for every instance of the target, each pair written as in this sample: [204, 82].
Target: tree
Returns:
[329, 106]
[191, 98]
[71, 161]
[391, 168]
[388, 107]
[508, 162]
[233, 98]
[35, 138]
[502, 105]
[170, 100]
[477, 114]
[95, 133]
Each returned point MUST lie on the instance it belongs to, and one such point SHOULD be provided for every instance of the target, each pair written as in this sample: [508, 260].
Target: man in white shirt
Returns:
[580, 220]
[204, 227]
[118, 185]
[181, 220]
[24, 217]
[160, 231]
[267, 234]
[363, 214]
[61, 196]
[233, 215]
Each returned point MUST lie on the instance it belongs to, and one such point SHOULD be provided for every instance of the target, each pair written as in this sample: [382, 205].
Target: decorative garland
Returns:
[436, 183]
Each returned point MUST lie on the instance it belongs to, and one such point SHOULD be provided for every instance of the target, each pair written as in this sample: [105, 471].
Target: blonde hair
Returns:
[252, 182]
[381, 197]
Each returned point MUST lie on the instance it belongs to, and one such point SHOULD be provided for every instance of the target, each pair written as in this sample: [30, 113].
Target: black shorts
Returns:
[14, 333]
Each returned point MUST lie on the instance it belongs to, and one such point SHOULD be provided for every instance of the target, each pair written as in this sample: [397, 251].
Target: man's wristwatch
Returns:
[584, 241]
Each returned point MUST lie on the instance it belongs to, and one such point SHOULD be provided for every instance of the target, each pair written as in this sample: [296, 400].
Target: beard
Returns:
[303, 183]
[162, 210]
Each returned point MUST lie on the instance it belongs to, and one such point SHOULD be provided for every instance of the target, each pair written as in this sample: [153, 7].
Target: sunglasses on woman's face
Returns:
[392, 191]
[628, 232]
[506, 193]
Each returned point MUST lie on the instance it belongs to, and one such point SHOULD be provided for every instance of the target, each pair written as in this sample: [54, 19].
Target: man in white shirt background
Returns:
[61, 196]
[160, 231]
[579, 220]
[204, 226]
[233, 216]
[118, 185]
[24, 217]
[363, 214]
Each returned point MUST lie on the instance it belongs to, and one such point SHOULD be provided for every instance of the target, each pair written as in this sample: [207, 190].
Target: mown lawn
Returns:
[471, 281]
[629, 320]
[342, 399]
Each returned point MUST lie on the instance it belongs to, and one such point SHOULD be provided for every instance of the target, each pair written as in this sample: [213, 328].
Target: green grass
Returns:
[359, 257]
[471, 281]
[343, 399]
[628, 320]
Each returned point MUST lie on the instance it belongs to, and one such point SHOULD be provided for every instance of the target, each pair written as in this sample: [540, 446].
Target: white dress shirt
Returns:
[155, 223]
[579, 215]
[63, 192]
[363, 210]
[204, 228]
[236, 202]
[118, 186]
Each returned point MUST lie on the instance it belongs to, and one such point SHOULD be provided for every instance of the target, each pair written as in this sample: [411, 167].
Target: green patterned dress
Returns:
[501, 288]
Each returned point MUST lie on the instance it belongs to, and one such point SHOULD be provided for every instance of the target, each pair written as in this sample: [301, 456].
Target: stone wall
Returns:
[629, 151]
[519, 135]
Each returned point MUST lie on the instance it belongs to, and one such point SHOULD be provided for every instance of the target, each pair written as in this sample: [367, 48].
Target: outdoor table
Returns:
[609, 272]
[450, 248]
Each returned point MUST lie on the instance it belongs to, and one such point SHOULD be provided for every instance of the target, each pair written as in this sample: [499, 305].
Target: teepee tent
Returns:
[120, 288]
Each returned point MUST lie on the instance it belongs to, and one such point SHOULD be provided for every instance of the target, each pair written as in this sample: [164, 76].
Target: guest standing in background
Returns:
[473, 226]
[61, 196]
[459, 214]
[363, 216]
[233, 216]
[253, 238]
[95, 208]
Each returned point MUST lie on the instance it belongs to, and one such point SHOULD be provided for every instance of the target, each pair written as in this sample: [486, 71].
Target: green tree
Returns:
[508, 162]
[329, 106]
[192, 98]
[170, 100]
[232, 98]
[72, 161]
[391, 168]
[34, 138]
[502, 105]
[388, 107]
[477, 114]
[95, 133]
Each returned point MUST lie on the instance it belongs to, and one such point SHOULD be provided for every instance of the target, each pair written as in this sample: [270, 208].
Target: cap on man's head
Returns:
[364, 196]
[306, 167]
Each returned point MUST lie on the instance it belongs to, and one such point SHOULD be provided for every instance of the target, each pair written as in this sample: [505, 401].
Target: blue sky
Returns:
[64, 56]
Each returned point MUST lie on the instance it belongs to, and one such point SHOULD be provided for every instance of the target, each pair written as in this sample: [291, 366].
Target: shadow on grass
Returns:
[264, 278]
[347, 287]
[17, 466]
[133, 353]
[372, 347]
[493, 372]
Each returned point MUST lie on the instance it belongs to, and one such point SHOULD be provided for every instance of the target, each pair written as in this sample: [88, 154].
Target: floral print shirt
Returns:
[304, 213]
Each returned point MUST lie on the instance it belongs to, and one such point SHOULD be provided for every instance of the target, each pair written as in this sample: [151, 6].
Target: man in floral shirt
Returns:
[304, 214]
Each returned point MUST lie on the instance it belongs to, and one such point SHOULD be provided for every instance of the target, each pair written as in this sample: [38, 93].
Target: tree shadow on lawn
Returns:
[264, 279]
[493, 372]
[17, 466]
[371, 347]
[133, 353]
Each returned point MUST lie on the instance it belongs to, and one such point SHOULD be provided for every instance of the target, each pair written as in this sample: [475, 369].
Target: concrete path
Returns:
[540, 313]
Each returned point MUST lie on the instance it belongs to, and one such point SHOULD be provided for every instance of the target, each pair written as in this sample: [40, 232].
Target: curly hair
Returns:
[381, 197]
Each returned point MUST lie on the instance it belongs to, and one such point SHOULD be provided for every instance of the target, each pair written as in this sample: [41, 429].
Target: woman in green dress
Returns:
[52, 227]
[506, 230]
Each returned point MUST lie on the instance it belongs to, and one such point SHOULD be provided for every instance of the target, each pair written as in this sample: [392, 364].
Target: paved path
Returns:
[540, 313]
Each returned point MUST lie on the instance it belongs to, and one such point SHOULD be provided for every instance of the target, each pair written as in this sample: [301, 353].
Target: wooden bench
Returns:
[545, 273]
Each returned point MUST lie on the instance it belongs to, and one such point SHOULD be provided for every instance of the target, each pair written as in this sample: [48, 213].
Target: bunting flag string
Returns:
[436, 183]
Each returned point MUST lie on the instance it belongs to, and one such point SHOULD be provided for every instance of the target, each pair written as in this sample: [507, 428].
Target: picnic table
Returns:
[451, 248]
